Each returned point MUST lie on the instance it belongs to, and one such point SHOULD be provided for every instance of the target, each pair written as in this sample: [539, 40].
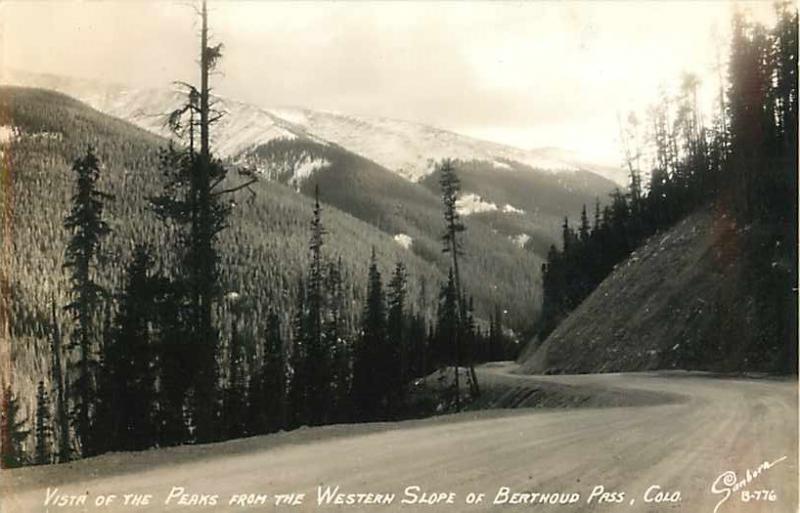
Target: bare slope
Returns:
[685, 299]
[682, 445]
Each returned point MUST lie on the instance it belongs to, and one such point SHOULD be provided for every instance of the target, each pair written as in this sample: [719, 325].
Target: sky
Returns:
[527, 74]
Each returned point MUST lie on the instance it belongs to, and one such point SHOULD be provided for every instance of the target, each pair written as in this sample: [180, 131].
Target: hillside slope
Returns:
[263, 253]
[687, 298]
[496, 270]
[246, 133]
[381, 172]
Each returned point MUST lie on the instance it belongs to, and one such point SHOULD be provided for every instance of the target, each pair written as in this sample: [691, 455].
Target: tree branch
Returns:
[237, 188]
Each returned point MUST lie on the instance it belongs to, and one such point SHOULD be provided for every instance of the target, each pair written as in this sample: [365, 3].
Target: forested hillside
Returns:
[248, 275]
[265, 249]
[263, 258]
[684, 299]
[719, 290]
[363, 156]
[495, 269]
[524, 204]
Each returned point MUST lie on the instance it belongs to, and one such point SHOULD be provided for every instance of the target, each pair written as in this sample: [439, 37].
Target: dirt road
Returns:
[679, 436]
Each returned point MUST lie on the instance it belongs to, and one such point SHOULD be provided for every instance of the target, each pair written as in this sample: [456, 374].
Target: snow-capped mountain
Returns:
[406, 148]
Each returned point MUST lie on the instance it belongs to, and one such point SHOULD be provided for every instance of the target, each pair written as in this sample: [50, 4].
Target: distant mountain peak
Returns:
[408, 148]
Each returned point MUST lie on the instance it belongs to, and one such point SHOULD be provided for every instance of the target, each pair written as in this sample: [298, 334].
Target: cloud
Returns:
[541, 73]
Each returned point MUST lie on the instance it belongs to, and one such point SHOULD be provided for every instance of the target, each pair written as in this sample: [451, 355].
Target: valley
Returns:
[289, 154]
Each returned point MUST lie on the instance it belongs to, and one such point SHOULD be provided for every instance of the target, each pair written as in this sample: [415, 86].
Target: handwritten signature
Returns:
[727, 482]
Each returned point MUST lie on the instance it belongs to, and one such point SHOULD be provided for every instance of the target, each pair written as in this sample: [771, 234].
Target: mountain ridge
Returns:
[273, 227]
[407, 148]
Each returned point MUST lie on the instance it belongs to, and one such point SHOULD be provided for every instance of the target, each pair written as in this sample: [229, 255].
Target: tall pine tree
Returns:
[235, 406]
[451, 187]
[369, 379]
[398, 348]
[268, 387]
[87, 227]
[317, 346]
[131, 358]
[193, 198]
[59, 385]
[298, 389]
[12, 431]
[43, 429]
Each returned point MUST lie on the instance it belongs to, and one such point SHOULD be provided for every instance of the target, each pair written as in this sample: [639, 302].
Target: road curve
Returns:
[679, 434]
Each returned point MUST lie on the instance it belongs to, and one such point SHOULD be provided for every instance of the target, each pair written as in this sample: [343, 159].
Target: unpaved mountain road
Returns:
[695, 429]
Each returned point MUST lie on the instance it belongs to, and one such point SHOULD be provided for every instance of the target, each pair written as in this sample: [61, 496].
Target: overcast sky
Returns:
[527, 74]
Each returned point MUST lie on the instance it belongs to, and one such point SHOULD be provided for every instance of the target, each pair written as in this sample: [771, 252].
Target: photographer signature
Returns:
[727, 482]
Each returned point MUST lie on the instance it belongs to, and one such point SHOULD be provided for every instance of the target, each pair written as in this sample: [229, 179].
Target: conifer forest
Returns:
[158, 288]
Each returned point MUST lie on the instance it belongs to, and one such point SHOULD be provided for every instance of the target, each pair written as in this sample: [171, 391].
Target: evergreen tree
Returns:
[496, 336]
[369, 383]
[553, 291]
[12, 431]
[131, 355]
[235, 401]
[336, 340]
[746, 165]
[87, 228]
[104, 384]
[417, 346]
[469, 336]
[447, 332]
[749, 120]
[172, 352]
[762, 166]
[398, 355]
[584, 229]
[193, 198]
[317, 347]
[273, 377]
[298, 390]
[450, 186]
[257, 396]
[43, 428]
[57, 380]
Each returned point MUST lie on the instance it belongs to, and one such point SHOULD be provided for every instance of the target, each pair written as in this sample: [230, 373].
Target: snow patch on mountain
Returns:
[293, 171]
[241, 127]
[470, 203]
[292, 115]
[306, 168]
[404, 240]
[520, 240]
[511, 209]
[10, 133]
[7, 133]
[244, 127]
[406, 148]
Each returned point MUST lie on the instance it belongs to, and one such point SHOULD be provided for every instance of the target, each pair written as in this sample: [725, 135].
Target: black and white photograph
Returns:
[399, 256]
